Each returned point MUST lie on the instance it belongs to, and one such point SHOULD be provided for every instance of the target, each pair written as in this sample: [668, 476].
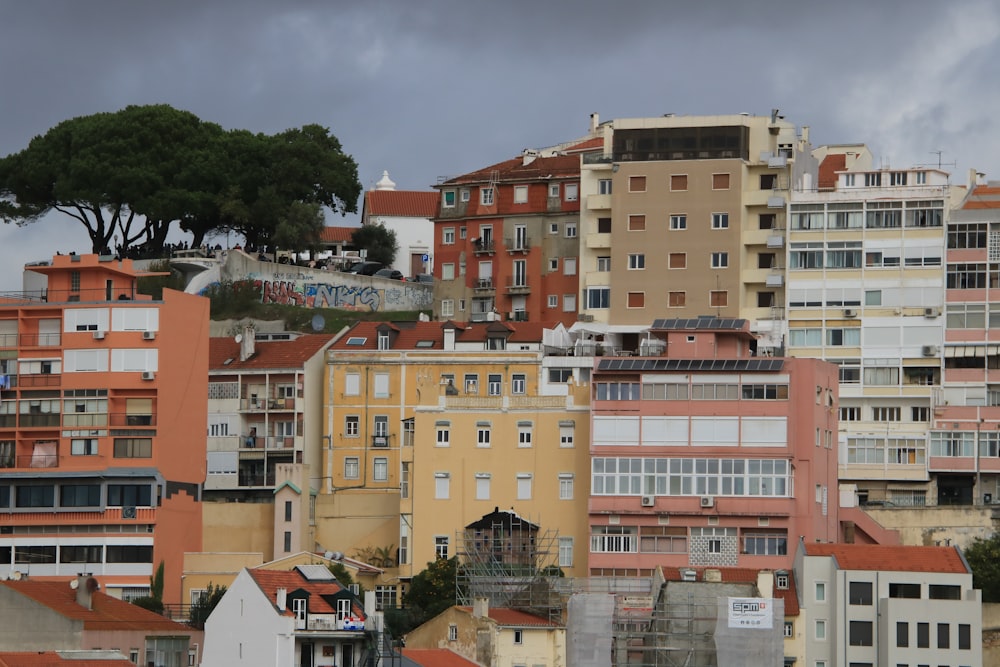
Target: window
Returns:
[351, 467]
[637, 222]
[788, 630]
[636, 262]
[636, 183]
[288, 510]
[598, 297]
[134, 448]
[676, 299]
[720, 181]
[461, 232]
[566, 436]
[352, 384]
[486, 196]
[604, 186]
[678, 221]
[571, 230]
[442, 485]
[885, 414]
[517, 383]
[768, 181]
[552, 300]
[483, 436]
[524, 431]
[720, 221]
[850, 337]
[604, 264]
[448, 199]
[448, 271]
[560, 374]
[120, 495]
[636, 300]
[943, 635]
[677, 260]
[604, 225]
[566, 480]
[352, 426]
[678, 182]
[554, 190]
[820, 630]
[447, 307]
[765, 299]
[443, 435]
[380, 469]
[718, 298]
[441, 546]
[80, 495]
[464, 195]
[524, 486]
[381, 385]
[820, 591]
[569, 303]
[911, 591]
[902, 634]
[518, 637]
[554, 264]
[850, 414]
[766, 220]
[964, 637]
[494, 384]
[483, 480]
[471, 383]
[571, 191]
[860, 633]
[569, 266]
[448, 236]
[83, 447]
[923, 635]
[860, 593]
[565, 552]
[452, 632]
[720, 260]
[520, 194]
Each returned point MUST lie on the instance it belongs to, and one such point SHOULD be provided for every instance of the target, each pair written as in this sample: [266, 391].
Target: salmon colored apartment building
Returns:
[102, 427]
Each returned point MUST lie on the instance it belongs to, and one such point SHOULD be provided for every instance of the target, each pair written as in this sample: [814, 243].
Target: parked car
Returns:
[423, 278]
[364, 268]
[392, 274]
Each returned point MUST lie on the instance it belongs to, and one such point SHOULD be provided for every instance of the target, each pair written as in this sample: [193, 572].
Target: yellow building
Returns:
[432, 425]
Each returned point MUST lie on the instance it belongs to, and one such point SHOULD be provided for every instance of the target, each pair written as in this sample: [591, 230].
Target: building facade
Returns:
[102, 440]
[409, 215]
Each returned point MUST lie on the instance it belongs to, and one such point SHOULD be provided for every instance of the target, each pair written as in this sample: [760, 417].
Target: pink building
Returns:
[703, 454]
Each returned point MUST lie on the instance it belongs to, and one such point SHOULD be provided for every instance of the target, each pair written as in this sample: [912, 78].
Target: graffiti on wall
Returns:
[349, 297]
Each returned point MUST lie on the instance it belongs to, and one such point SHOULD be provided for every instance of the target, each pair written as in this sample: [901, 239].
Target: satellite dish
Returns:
[16, 575]
[74, 583]
[318, 322]
[238, 338]
[337, 555]
[328, 555]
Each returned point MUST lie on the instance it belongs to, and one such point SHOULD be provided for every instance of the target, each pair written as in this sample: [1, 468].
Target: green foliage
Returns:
[344, 578]
[983, 557]
[232, 299]
[150, 603]
[156, 584]
[201, 609]
[154, 285]
[133, 173]
[431, 592]
[380, 243]
[377, 556]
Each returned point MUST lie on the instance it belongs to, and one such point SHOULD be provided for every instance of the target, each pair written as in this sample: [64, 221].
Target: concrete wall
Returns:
[26, 625]
[930, 526]
[246, 527]
[319, 288]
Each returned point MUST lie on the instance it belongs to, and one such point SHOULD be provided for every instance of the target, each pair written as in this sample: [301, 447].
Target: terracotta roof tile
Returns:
[402, 203]
[983, 197]
[337, 234]
[410, 333]
[269, 354]
[106, 613]
[891, 558]
[437, 657]
[559, 166]
[586, 145]
[828, 168]
[515, 618]
[54, 659]
[743, 575]
[270, 581]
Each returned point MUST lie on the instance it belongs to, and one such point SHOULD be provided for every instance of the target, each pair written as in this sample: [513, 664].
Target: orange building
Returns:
[103, 395]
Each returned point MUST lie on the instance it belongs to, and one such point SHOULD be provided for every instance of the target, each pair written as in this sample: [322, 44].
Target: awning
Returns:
[971, 350]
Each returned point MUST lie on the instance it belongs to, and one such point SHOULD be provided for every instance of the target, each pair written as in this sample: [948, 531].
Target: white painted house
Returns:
[410, 214]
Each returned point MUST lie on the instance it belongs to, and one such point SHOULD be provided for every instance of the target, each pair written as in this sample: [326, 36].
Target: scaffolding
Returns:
[511, 562]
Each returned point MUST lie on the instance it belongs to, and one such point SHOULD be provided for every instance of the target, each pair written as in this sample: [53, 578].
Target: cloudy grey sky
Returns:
[430, 88]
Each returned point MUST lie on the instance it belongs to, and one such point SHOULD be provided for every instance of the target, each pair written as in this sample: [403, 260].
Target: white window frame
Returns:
[524, 485]
[447, 307]
[553, 301]
[554, 190]
[567, 483]
[565, 551]
[520, 194]
[524, 436]
[442, 485]
[571, 230]
[380, 469]
[483, 482]
[352, 467]
[352, 384]
[678, 222]
[636, 261]
[720, 260]
[571, 191]
[569, 303]
[720, 221]
[486, 197]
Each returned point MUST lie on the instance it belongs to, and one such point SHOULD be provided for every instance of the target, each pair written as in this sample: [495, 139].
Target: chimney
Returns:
[449, 338]
[480, 607]
[595, 120]
[85, 587]
[248, 342]
[765, 583]
[712, 575]
[281, 599]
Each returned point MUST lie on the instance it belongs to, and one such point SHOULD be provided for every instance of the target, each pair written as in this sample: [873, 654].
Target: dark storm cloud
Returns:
[430, 89]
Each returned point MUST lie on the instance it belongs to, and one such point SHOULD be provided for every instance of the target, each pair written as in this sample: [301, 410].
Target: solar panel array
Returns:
[699, 323]
[757, 365]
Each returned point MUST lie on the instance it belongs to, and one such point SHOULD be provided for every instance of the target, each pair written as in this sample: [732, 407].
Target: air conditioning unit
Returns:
[148, 375]
[148, 335]
[584, 317]
[648, 501]
[929, 350]
[707, 501]
[850, 312]
[98, 335]
[931, 312]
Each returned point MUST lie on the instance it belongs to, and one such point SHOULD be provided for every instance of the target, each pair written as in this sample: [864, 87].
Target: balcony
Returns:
[519, 244]
[598, 202]
[483, 246]
[775, 280]
[775, 241]
[267, 442]
[39, 420]
[131, 420]
[484, 285]
[37, 460]
[380, 441]
[37, 380]
[776, 201]
[598, 240]
[517, 287]
[261, 404]
[517, 316]
[256, 479]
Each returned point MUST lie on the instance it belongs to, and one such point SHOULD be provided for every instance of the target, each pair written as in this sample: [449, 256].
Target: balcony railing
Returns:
[34, 420]
[38, 461]
[37, 380]
[516, 287]
[248, 479]
[518, 244]
[484, 285]
[119, 419]
[481, 247]
[101, 294]
[380, 441]
[259, 404]
[253, 441]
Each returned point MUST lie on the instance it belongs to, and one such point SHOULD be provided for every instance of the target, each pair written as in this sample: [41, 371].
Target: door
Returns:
[306, 654]
[417, 264]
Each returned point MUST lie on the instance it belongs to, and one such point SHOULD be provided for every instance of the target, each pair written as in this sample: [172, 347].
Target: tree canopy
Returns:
[132, 174]
[379, 241]
[983, 557]
[431, 592]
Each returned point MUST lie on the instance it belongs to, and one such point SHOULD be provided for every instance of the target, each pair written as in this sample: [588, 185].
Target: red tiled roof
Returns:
[586, 145]
[402, 203]
[107, 613]
[337, 234]
[270, 581]
[409, 333]
[983, 197]
[541, 168]
[437, 657]
[54, 659]
[828, 168]
[516, 618]
[267, 354]
[891, 558]
[742, 575]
